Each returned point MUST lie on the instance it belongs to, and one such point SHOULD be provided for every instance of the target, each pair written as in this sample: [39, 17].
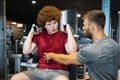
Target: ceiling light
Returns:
[78, 15]
[14, 23]
[33, 1]
[19, 25]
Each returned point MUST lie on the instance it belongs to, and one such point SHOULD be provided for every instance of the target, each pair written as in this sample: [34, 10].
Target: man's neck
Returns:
[98, 36]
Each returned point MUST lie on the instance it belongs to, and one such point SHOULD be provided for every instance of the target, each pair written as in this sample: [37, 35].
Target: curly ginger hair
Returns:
[47, 14]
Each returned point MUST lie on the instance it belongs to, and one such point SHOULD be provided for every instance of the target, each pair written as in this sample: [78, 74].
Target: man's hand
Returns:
[48, 56]
[67, 28]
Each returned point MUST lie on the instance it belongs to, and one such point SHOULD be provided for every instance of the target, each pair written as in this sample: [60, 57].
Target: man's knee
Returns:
[61, 77]
[19, 76]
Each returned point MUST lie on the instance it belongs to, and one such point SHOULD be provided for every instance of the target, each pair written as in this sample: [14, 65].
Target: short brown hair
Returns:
[48, 13]
[96, 16]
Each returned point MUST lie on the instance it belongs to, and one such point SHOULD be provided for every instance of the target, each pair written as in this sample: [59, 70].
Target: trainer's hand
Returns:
[48, 56]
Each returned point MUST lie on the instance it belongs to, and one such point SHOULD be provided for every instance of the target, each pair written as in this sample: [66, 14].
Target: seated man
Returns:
[49, 40]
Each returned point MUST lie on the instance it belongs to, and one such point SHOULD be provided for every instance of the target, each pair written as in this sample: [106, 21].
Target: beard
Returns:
[88, 34]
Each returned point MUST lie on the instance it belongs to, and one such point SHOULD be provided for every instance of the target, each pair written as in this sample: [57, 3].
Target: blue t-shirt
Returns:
[101, 59]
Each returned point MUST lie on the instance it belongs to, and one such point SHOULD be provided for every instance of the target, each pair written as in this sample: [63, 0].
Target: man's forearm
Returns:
[62, 58]
[71, 43]
[27, 44]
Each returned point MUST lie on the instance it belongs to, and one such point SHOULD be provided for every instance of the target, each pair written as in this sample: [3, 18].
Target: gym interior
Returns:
[18, 16]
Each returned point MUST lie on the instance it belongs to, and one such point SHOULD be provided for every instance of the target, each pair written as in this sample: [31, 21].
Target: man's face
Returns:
[52, 26]
[86, 29]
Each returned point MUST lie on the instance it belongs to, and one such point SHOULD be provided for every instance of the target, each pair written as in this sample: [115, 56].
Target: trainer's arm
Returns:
[62, 58]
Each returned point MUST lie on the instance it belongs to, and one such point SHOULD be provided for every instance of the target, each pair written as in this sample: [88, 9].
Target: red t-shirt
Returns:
[50, 43]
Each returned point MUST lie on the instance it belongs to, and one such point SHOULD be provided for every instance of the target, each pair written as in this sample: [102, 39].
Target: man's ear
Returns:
[92, 27]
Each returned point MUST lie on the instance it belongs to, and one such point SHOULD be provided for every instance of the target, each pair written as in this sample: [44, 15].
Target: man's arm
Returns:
[28, 46]
[62, 58]
[71, 45]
